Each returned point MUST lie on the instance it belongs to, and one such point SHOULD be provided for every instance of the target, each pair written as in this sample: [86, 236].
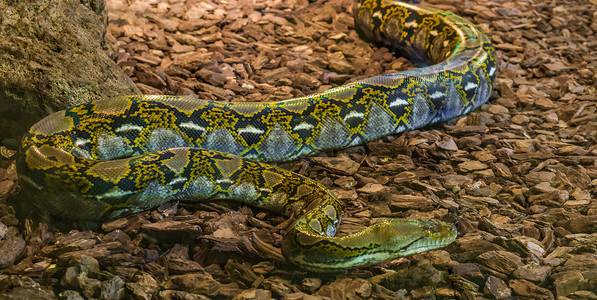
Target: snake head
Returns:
[416, 236]
[383, 241]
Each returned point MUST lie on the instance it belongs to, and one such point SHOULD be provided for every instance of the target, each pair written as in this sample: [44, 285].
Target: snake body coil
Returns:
[109, 159]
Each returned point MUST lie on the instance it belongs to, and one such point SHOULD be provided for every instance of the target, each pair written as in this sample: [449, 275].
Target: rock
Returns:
[399, 164]
[406, 202]
[178, 295]
[374, 188]
[526, 246]
[501, 261]
[70, 295]
[194, 283]
[471, 165]
[171, 231]
[497, 109]
[469, 271]
[143, 286]
[586, 264]
[463, 284]
[341, 164]
[219, 93]
[448, 144]
[72, 241]
[520, 119]
[280, 287]
[456, 180]
[341, 66]
[524, 146]
[583, 241]
[424, 292]
[310, 285]
[29, 293]
[77, 275]
[422, 274]
[533, 272]
[8, 282]
[497, 288]
[257, 294]
[581, 224]
[45, 77]
[582, 295]
[121, 224]
[567, 282]
[527, 289]
[541, 176]
[112, 289]
[177, 266]
[346, 288]
[544, 187]
[471, 246]
[11, 249]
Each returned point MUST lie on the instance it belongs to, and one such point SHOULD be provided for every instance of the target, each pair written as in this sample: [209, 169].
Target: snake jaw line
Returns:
[109, 159]
[383, 241]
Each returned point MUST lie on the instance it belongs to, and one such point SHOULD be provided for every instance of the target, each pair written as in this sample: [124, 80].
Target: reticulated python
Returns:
[108, 159]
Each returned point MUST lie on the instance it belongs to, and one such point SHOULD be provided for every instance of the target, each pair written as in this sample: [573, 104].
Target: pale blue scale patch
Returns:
[113, 194]
[483, 90]
[330, 231]
[278, 144]
[452, 105]
[222, 140]
[154, 195]
[332, 134]
[379, 122]
[200, 188]
[110, 146]
[80, 153]
[244, 191]
[162, 138]
[454, 101]
[421, 112]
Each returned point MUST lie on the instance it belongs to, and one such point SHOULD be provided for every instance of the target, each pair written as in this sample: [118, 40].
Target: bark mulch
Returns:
[518, 177]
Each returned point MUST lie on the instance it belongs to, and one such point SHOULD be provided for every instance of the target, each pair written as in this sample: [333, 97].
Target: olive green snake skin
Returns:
[108, 159]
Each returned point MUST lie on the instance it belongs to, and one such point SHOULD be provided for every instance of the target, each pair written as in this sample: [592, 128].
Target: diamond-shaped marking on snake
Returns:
[110, 146]
[162, 138]
[278, 143]
[378, 120]
[421, 112]
[332, 134]
[222, 140]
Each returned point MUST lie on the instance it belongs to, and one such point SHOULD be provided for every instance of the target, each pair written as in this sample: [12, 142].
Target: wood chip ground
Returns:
[518, 177]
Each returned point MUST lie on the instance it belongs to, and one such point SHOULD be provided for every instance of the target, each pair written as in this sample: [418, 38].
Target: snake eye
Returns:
[427, 233]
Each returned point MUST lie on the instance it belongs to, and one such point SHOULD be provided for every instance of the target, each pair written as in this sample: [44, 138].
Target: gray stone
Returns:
[194, 283]
[469, 271]
[28, 293]
[501, 261]
[143, 286]
[533, 272]
[112, 289]
[529, 290]
[71, 295]
[567, 282]
[11, 249]
[53, 56]
[497, 288]
[171, 231]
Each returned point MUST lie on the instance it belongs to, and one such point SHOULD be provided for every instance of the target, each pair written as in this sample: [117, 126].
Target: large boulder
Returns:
[53, 55]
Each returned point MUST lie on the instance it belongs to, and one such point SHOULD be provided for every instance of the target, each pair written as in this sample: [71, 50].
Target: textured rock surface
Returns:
[52, 55]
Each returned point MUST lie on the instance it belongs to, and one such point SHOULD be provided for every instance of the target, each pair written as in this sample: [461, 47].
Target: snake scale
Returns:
[108, 159]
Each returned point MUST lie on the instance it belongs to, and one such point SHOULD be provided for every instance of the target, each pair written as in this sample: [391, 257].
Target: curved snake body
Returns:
[109, 159]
